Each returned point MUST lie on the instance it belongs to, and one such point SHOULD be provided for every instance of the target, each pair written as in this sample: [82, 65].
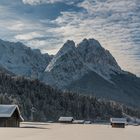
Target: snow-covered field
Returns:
[46, 131]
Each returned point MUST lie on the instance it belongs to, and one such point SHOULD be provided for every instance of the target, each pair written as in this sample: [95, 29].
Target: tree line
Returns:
[50, 103]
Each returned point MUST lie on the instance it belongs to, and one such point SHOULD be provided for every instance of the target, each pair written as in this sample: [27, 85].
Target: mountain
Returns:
[66, 66]
[21, 60]
[97, 58]
[50, 103]
[90, 69]
[86, 68]
[73, 62]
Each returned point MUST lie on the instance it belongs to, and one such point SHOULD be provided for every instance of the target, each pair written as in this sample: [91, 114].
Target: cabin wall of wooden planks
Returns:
[13, 121]
[118, 125]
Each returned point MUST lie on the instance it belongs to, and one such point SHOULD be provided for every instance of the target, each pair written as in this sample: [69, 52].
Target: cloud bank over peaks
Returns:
[37, 2]
[47, 24]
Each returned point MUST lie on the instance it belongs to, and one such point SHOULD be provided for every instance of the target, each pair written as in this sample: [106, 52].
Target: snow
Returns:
[97, 58]
[8, 110]
[66, 66]
[118, 120]
[65, 119]
[72, 62]
[78, 121]
[67, 47]
[22, 60]
[46, 131]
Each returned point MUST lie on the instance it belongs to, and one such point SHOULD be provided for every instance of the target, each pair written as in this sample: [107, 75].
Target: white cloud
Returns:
[36, 2]
[116, 24]
[16, 26]
[28, 36]
[44, 45]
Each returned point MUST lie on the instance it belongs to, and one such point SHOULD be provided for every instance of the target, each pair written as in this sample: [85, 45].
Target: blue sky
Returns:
[47, 24]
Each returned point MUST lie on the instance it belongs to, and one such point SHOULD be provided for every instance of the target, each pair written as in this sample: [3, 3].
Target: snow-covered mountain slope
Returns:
[72, 62]
[89, 68]
[125, 87]
[22, 60]
[66, 66]
[97, 58]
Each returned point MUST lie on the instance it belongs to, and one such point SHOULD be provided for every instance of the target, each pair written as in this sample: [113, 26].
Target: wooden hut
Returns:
[118, 122]
[65, 119]
[10, 116]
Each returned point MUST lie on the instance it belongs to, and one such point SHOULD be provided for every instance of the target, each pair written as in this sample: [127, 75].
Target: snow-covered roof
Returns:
[78, 121]
[88, 122]
[7, 111]
[118, 120]
[66, 119]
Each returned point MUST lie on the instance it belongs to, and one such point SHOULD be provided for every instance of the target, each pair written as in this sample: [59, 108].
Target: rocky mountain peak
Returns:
[71, 63]
[66, 66]
[90, 43]
[97, 58]
[68, 46]
[67, 50]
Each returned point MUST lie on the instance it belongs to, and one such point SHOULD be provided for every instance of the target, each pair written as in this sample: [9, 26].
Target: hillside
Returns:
[51, 103]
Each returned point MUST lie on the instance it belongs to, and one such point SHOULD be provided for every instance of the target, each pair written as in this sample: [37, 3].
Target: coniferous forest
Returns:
[49, 103]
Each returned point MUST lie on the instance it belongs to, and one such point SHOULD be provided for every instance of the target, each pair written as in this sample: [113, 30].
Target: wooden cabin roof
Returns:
[7, 111]
[118, 120]
[66, 119]
[78, 121]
